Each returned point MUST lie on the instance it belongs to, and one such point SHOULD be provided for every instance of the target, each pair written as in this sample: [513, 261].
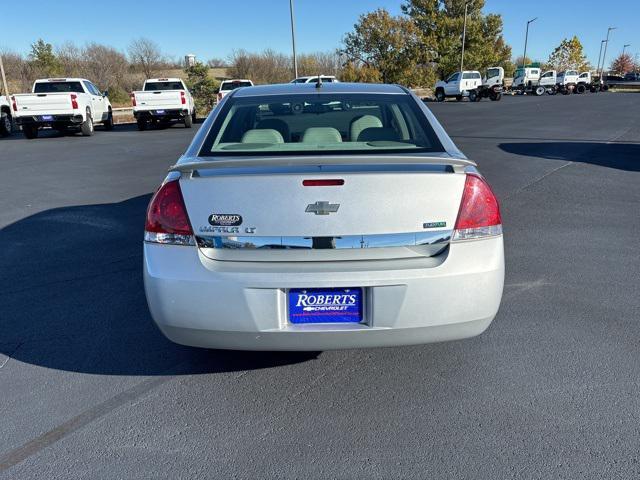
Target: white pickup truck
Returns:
[533, 80]
[6, 123]
[162, 100]
[227, 86]
[458, 85]
[62, 103]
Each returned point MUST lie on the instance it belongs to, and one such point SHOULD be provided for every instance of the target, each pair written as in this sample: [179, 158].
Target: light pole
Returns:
[624, 47]
[293, 41]
[602, 42]
[606, 44]
[4, 79]
[464, 34]
[526, 38]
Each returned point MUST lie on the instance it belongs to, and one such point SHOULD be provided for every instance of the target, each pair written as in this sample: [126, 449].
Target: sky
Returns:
[214, 28]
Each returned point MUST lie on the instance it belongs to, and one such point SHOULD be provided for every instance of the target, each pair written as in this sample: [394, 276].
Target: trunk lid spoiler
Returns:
[190, 165]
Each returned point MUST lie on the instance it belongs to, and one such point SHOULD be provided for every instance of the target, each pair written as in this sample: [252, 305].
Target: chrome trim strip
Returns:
[385, 240]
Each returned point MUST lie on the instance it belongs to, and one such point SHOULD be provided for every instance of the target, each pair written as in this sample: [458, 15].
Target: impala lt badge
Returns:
[322, 208]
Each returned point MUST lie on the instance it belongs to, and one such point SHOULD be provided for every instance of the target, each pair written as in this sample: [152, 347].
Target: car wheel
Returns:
[539, 91]
[142, 124]
[30, 131]
[581, 89]
[6, 125]
[495, 97]
[87, 126]
[108, 123]
[473, 96]
[440, 96]
[188, 121]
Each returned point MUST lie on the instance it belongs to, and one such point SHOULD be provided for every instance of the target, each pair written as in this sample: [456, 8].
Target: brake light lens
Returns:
[479, 214]
[167, 220]
[13, 104]
[133, 100]
[333, 182]
[74, 101]
[183, 99]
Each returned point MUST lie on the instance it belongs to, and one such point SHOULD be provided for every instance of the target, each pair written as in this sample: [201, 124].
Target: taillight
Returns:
[167, 220]
[74, 101]
[479, 214]
[13, 104]
[133, 100]
[183, 99]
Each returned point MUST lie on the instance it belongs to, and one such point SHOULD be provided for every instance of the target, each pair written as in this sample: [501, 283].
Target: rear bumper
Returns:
[43, 120]
[243, 305]
[160, 113]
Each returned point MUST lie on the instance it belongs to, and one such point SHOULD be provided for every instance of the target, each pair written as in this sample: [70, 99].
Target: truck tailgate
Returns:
[159, 99]
[29, 104]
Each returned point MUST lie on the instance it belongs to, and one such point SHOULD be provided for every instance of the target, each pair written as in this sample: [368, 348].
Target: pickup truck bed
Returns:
[161, 102]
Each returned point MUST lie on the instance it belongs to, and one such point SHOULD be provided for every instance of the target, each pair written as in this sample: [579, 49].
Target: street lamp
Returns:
[602, 42]
[293, 41]
[624, 47]
[605, 51]
[526, 38]
[464, 34]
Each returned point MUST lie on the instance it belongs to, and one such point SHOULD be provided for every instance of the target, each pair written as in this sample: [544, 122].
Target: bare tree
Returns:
[105, 65]
[146, 55]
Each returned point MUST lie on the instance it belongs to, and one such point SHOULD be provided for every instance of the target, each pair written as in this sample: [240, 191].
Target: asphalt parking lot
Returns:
[90, 388]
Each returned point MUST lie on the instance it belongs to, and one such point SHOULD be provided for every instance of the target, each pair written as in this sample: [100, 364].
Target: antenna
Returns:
[319, 82]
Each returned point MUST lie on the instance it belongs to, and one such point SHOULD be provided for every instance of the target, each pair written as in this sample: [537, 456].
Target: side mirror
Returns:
[105, 93]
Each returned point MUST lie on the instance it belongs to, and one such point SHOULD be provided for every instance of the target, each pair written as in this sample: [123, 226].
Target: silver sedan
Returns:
[322, 216]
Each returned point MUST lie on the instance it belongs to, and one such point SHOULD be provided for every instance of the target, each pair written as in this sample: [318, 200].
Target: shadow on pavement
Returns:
[72, 298]
[621, 156]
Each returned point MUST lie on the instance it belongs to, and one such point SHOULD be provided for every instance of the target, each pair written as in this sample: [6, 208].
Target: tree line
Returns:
[414, 48]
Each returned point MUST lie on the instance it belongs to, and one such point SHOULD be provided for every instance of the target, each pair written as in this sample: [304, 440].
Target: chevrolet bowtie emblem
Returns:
[322, 208]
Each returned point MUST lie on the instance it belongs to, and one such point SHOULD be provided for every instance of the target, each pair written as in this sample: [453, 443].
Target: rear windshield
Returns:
[55, 87]
[468, 75]
[320, 123]
[234, 85]
[154, 86]
[493, 72]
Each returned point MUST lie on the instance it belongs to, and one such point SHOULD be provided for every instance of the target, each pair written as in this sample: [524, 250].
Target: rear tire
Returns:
[581, 89]
[6, 125]
[108, 123]
[473, 96]
[539, 91]
[495, 97]
[188, 121]
[87, 126]
[440, 96]
[30, 131]
[142, 124]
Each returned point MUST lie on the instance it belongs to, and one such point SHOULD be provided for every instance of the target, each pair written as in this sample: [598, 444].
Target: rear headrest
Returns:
[360, 123]
[262, 135]
[275, 124]
[321, 135]
[379, 134]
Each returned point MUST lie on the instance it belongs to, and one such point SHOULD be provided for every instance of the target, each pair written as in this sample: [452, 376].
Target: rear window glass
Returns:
[234, 85]
[154, 86]
[320, 123]
[470, 75]
[55, 87]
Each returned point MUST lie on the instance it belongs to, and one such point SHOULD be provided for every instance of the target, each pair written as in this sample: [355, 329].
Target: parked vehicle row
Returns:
[532, 80]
